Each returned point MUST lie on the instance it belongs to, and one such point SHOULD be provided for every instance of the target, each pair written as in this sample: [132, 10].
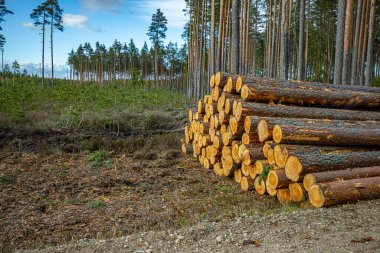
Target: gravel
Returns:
[347, 228]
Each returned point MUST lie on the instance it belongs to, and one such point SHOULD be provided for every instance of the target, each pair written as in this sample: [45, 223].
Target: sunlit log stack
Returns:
[301, 142]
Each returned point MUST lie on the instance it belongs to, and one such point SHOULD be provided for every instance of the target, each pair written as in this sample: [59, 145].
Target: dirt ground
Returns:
[56, 187]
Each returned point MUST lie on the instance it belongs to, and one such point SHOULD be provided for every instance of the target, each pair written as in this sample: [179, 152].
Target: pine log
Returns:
[235, 152]
[306, 85]
[212, 81]
[283, 196]
[297, 192]
[218, 169]
[221, 79]
[246, 184]
[215, 94]
[214, 159]
[340, 192]
[296, 166]
[277, 179]
[267, 125]
[223, 117]
[251, 123]
[271, 191]
[347, 174]
[237, 127]
[259, 166]
[231, 85]
[328, 134]
[228, 105]
[250, 155]
[282, 152]
[217, 142]
[249, 138]
[288, 111]
[259, 186]
[206, 163]
[270, 157]
[310, 96]
[268, 145]
[237, 175]
[245, 169]
[229, 166]
[190, 115]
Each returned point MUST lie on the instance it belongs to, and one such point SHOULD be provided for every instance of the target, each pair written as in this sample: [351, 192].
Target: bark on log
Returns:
[347, 174]
[237, 127]
[300, 96]
[251, 123]
[246, 184]
[221, 79]
[277, 179]
[297, 192]
[296, 166]
[250, 155]
[288, 111]
[249, 138]
[332, 133]
[340, 192]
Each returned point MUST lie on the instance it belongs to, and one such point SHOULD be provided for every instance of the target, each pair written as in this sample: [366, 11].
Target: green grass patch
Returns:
[67, 104]
[225, 189]
[99, 158]
[97, 204]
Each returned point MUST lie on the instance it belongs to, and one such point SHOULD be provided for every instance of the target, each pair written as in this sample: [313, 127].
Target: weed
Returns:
[99, 158]
[97, 204]
[264, 174]
[4, 179]
[224, 188]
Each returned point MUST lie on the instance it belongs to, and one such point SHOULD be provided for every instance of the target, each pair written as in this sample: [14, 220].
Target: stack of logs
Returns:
[299, 141]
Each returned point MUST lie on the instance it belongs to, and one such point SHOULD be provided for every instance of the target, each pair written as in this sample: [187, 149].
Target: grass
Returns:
[80, 105]
[225, 189]
[99, 158]
[97, 204]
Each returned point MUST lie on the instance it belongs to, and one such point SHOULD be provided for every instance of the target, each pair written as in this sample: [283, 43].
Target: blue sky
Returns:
[85, 21]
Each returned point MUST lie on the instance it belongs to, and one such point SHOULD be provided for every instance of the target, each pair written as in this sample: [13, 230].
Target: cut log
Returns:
[270, 191]
[228, 105]
[283, 196]
[260, 165]
[310, 96]
[297, 192]
[297, 166]
[245, 169]
[270, 157]
[277, 179]
[251, 123]
[190, 115]
[228, 166]
[223, 117]
[237, 127]
[215, 94]
[340, 192]
[347, 174]
[201, 107]
[237, 175]
[250, 155]
[249, 138]
[206, 163]
[246, 184]
[217, 142]
[266, 148]
[288, 111]
[212, 81]
[221, 79]
[328, 134]
[235, 152]
[259, 186]
[231, 85]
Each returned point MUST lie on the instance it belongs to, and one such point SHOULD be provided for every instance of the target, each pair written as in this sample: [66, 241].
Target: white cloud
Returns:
[172, 9]
[71, 20]
[29, 26]
[95, 5]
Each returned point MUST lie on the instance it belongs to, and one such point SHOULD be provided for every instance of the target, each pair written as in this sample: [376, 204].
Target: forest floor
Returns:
[122, 185]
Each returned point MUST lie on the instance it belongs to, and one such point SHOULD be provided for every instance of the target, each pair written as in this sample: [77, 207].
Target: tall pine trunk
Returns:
[235, 61]
[369, 64]
[301, 41]
[43, 47]
[347, 42]
[211, 63]
[339, 42]
[355, 45]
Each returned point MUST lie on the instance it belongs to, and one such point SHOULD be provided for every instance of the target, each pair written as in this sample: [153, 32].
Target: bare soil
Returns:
[53, 192]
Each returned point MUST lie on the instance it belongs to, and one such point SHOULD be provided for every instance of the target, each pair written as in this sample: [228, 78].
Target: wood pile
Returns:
[301, 142]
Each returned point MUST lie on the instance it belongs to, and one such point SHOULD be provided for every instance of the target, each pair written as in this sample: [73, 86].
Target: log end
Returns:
[280, 155]
[308, 181]
[237, 175]
[227, 105]
[263, 131]
[212, 81]
[283, 196]
[233, 125]
[245, 139]
[190, 115]
[229, 84]
[296, 192]
[239, 84]
[247, 124]
[246, 184]
[245, 169]
[217, 78]
[235, 153]
[271, 191]
[259, 186]
[237, 110]
[246, 157]
[316, 196]
[200, 106]
[206, 163]
[293, 168]
[228, 165]
[277, 134]
[272, 179]
[244, 92]
[270, 157]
